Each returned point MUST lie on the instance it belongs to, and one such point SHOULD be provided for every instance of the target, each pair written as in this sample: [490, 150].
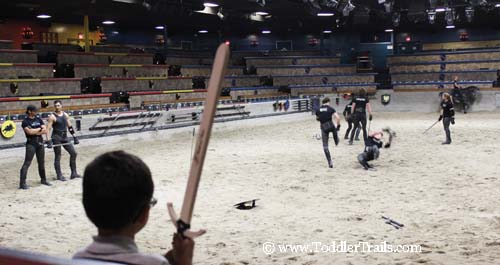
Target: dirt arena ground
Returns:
[446, 196]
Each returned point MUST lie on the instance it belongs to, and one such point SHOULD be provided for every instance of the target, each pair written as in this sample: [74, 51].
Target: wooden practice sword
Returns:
[213, 92]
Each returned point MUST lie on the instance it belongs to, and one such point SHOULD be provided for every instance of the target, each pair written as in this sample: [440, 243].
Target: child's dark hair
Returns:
[57, 101]
[117, 186]
[325, 100]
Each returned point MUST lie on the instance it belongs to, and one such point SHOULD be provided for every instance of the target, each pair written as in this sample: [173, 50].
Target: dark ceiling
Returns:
[286, 15]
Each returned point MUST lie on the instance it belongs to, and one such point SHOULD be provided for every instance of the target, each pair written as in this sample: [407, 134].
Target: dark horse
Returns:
[464, 96]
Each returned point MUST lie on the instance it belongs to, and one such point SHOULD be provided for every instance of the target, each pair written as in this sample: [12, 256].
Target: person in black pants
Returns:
[360, 105]
[457, 94]
[33, 128]
[59, 123]
[349, 119]
[447, 116]
[324, 115]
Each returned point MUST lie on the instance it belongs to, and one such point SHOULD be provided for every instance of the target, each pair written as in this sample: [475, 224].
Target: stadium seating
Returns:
[141, 99]
[205, 70]
[65, 57]
[188, 60]
[331, 89]
[31, 70]
[5, 44]
[17, 105]
[283, 80]
[472, 75]
[438, 85]
[18, 56]
[144, 84]
[35, 87]
[306, 69]
[291, 60]
[120, 70]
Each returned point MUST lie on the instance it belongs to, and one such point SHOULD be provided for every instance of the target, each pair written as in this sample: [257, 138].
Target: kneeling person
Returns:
[324, 115]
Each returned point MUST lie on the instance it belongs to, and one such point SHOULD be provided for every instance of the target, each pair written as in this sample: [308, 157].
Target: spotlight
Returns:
[388, 7]
[331, 3]
[440, 9]
[43, 16]
[266, 32]
[220, 14]
[396, 18]
[261, 13]
[327, 31]
[450, 26]
[325, 14]
[432, 16]
[203, 31]
[160, 27]
[348, 8]
[210, 4]
[469, 13]
[108, 22]
[449, 16]
[389, 30]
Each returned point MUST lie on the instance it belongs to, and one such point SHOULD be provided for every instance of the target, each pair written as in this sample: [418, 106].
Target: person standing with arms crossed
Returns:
[33, 128]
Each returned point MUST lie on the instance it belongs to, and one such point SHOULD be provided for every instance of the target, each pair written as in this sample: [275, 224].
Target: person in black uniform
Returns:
[349, 119]
[360, 105]
[457, 94]
[324, 115]
[59, 123]
[372, 145]
[33, 128]
[447, 116]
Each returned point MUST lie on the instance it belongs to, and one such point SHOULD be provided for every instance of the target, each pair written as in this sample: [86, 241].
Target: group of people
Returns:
[56, 137]
[355, 114]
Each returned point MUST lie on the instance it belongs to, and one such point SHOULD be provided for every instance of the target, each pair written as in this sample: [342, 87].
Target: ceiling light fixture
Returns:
[203, 31]
[160, 27]
[261, 13]
[108, 22]
[325, 14]
[43, 16]
[266, 32]
[210, 4]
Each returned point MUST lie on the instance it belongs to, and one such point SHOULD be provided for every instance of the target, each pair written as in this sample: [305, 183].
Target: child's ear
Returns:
[144, 216]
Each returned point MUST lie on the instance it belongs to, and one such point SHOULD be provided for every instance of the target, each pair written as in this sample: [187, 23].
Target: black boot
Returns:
[22, 185]
[75, 176]
[45, 182]
[61, 178]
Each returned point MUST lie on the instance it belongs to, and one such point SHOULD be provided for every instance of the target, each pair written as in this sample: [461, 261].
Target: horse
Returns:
[464, 97]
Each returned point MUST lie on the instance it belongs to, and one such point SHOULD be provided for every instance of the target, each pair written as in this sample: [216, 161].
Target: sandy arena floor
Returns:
[446, 196]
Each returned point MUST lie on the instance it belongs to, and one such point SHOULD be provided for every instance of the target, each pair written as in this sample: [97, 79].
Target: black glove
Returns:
[338, 127]
[75, 140]
[71, 130]
[452, 120]
[370, 117]
[387, 145]
[48, 144]
[440, 117]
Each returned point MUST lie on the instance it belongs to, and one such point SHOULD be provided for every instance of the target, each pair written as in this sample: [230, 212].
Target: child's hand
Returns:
[182, 252]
